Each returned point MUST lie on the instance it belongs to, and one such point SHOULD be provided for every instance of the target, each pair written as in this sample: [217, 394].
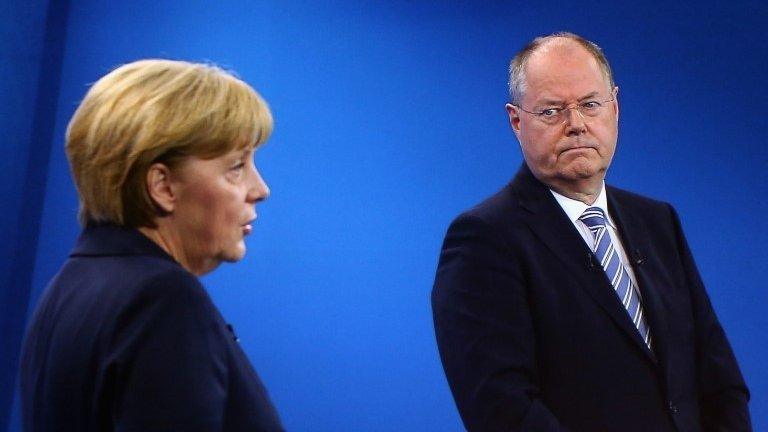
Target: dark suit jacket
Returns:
[125, 339]
[533, 337]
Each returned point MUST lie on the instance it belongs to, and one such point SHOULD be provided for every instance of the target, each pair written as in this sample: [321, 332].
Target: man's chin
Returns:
[582, 168]
[234, 255]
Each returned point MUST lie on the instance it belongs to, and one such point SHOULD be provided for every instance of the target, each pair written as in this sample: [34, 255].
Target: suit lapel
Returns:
[551, 225]
[634, 235]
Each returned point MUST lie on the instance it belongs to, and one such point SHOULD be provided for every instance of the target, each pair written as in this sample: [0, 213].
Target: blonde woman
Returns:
[125, 337]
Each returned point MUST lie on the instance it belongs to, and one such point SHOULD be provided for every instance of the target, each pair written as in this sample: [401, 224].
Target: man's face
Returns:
[577, 149]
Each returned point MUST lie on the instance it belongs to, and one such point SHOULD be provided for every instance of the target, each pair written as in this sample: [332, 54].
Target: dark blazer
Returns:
[533, 337]
[125, 339]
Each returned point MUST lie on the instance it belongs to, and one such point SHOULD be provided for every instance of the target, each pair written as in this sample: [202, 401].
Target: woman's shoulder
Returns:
[157, 280]
[131, 286]
[169, 302]
[165, 275]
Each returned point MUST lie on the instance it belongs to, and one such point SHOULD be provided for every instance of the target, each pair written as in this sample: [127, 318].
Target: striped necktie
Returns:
[606, 253]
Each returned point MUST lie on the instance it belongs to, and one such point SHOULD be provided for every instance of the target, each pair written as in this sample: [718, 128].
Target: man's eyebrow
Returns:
[550, 102]
[589, 95]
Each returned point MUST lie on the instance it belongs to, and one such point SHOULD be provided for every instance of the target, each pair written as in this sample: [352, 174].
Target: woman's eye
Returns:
[236, 171]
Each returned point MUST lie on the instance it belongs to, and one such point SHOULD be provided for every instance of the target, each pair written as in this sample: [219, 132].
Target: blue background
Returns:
[389, 122]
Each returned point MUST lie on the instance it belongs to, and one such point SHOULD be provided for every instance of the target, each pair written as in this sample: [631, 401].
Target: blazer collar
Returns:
[98, 239]
[551, 225]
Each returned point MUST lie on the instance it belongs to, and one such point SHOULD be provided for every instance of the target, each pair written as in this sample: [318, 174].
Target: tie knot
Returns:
[593, 217]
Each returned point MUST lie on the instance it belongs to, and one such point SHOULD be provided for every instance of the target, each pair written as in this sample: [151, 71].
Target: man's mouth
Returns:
[248, 226]
[578, 148]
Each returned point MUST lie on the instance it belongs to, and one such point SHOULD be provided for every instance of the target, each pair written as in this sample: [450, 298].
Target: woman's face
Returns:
[214, 208]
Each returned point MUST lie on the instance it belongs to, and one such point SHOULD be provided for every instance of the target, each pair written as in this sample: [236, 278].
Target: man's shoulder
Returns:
[636, 202]
[513, 201]
[502, 206]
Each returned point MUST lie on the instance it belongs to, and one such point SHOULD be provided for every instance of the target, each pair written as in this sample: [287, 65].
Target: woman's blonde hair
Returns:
[155, 111]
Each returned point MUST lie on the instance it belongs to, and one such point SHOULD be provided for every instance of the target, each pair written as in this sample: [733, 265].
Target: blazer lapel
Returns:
[551, 225]
[634, 235]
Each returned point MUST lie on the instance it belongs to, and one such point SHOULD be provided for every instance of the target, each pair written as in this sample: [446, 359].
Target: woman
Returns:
[125, 337]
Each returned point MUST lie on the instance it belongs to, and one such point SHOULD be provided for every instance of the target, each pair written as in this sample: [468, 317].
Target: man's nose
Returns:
[574, 120]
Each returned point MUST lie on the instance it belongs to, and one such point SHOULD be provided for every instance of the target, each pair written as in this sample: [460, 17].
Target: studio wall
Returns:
[31, 50]
[389, 121]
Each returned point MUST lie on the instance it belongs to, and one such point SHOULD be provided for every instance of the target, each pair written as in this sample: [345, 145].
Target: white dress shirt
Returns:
[574, 209]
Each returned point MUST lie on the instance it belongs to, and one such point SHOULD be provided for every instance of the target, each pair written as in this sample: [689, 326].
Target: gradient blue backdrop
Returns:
[389, 122]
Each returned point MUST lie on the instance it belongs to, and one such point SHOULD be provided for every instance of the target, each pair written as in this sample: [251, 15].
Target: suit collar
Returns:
[552, 226]
[530, 192]
[107, 239]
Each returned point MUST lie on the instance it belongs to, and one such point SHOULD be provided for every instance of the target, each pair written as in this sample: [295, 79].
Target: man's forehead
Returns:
[554, 56]
[556, 44]
[564, 66]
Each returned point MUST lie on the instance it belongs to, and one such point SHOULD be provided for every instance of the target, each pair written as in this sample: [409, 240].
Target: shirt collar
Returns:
[575, 208]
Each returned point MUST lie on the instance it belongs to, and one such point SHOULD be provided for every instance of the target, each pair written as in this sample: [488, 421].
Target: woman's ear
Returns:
[159, 187]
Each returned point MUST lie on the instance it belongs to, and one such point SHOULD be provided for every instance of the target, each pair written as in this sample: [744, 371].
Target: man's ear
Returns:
[160, 188]
[514, 118]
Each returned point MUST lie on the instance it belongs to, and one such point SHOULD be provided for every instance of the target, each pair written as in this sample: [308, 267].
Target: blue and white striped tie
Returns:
[605, 251]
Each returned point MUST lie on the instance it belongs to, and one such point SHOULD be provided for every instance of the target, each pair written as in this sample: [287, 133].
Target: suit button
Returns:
[672, 407]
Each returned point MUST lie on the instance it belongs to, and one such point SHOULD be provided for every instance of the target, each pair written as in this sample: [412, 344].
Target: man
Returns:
[564, 304]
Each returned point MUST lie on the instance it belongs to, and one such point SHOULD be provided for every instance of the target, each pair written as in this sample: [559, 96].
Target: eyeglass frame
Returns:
[576, 105]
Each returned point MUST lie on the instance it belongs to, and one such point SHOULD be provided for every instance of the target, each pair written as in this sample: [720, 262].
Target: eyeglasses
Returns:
[556, 115]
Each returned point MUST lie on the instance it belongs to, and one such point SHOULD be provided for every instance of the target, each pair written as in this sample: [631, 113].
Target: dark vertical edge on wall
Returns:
[33, 193]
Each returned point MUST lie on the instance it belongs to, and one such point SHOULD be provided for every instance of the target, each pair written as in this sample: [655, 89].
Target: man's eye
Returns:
[549, 112]
[238, 167]
[590, 105]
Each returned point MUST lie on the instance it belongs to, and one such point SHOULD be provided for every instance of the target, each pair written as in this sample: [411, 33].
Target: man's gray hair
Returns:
[518, 63]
